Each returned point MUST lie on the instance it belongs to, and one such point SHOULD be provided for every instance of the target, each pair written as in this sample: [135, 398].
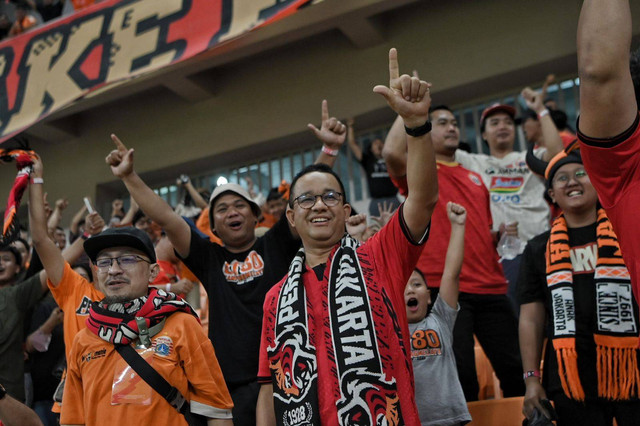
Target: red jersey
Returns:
[481, 272]
[387, 260]
[614, 170]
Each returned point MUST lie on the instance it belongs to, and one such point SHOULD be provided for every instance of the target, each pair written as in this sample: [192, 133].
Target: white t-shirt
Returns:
[517, 195]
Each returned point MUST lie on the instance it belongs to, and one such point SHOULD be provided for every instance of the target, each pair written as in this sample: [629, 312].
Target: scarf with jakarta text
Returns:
[616, 335]
[116, 322]
[364, 395]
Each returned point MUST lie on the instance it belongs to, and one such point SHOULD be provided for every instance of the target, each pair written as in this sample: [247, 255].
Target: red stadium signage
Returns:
[47, 69]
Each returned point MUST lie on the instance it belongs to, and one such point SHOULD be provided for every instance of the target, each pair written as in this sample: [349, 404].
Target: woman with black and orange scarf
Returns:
[573, 279]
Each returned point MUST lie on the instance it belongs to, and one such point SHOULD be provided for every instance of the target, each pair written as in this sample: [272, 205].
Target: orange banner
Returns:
[47, 69]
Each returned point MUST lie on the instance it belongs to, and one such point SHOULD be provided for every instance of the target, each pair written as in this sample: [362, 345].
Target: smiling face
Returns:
[572, 190]
[445, 133]
[500, 132]
[124, 283]
[320, 226]
[234, 221]
[417, 298]
[9, 268]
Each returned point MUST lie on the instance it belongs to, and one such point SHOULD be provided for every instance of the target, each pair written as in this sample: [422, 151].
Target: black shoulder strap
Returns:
[153, 378]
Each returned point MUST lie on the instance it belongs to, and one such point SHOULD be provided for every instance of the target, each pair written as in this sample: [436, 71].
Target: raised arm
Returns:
[193, 192]
[49, 253]
[56, 216]
[127, 219]
[394, 151]
[607, 100]
[550, 134]
[332, 134]
[121, 162]
[450, 283]
[351, 140]
[409, 97]
[77, 218]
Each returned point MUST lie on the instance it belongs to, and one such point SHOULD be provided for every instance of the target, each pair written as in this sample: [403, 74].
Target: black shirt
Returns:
[532, 287]
[380, 185]
[236, 284]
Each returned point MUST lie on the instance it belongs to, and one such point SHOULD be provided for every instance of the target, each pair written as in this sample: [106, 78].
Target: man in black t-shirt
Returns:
[381, 189]
[573, 278]
[236, 276]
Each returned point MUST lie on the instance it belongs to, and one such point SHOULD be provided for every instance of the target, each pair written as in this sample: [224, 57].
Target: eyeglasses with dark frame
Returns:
[563, 179]
[126, 261]
[329, 198]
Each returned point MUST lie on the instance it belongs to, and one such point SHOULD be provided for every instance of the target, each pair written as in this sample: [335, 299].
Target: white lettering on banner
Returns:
[584, 259]
[564, 313]
[615, 308]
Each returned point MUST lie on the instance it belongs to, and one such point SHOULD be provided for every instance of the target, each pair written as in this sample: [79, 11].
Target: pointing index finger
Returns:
[119, 145]
[394, 71]
[325, 110]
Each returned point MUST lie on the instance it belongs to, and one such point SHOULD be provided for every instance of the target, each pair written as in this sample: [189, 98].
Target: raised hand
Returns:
[62, 203]
[408, 96]
[533, 99]
[93, 223]
[386, 212]
[36, 168]
[356, 225]
[120, 159]
[457, 214]
[545, 86]
[332, 132]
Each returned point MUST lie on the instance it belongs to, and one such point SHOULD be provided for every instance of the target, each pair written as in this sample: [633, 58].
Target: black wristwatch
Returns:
[3, 392]
[418, 131]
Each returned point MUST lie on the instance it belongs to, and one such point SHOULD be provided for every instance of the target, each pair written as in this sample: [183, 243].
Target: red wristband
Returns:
[329, 151]
[531, 373]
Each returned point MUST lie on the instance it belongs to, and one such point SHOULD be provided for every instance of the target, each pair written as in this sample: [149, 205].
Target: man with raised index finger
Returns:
[335, 346]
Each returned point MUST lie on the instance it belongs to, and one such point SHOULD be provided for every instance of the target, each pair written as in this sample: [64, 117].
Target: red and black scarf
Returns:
[356, 363]
[24, 161]
[116, 322]
[616, 332]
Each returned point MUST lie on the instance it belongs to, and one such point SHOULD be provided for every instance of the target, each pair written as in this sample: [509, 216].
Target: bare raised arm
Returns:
[607, 100]
[550, 134]
[332, 133]
[449, 285]
[394, 151]
[409, 97]
[121, 162]
[351, 140]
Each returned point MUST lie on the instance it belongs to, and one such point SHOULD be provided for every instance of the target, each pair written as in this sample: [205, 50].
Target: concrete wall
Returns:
[467, 49]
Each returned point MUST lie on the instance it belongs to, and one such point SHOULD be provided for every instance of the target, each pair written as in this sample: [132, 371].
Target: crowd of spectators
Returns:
[303, 311]
[19, 16]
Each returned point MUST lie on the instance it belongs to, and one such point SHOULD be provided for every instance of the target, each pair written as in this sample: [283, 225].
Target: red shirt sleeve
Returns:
[613, 163]
[401, 184]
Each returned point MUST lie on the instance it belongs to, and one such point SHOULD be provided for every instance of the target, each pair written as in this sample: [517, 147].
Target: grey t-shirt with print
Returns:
[439, 395]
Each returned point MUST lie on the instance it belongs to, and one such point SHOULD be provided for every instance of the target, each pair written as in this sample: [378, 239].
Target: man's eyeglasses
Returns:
[329, 198]
[126, 261]
[561, 180]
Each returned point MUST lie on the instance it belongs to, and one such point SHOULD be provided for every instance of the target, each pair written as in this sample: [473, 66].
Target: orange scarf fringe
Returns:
[617, 359]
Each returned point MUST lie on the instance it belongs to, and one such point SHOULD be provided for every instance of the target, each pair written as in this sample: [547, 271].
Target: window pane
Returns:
[275, 173]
